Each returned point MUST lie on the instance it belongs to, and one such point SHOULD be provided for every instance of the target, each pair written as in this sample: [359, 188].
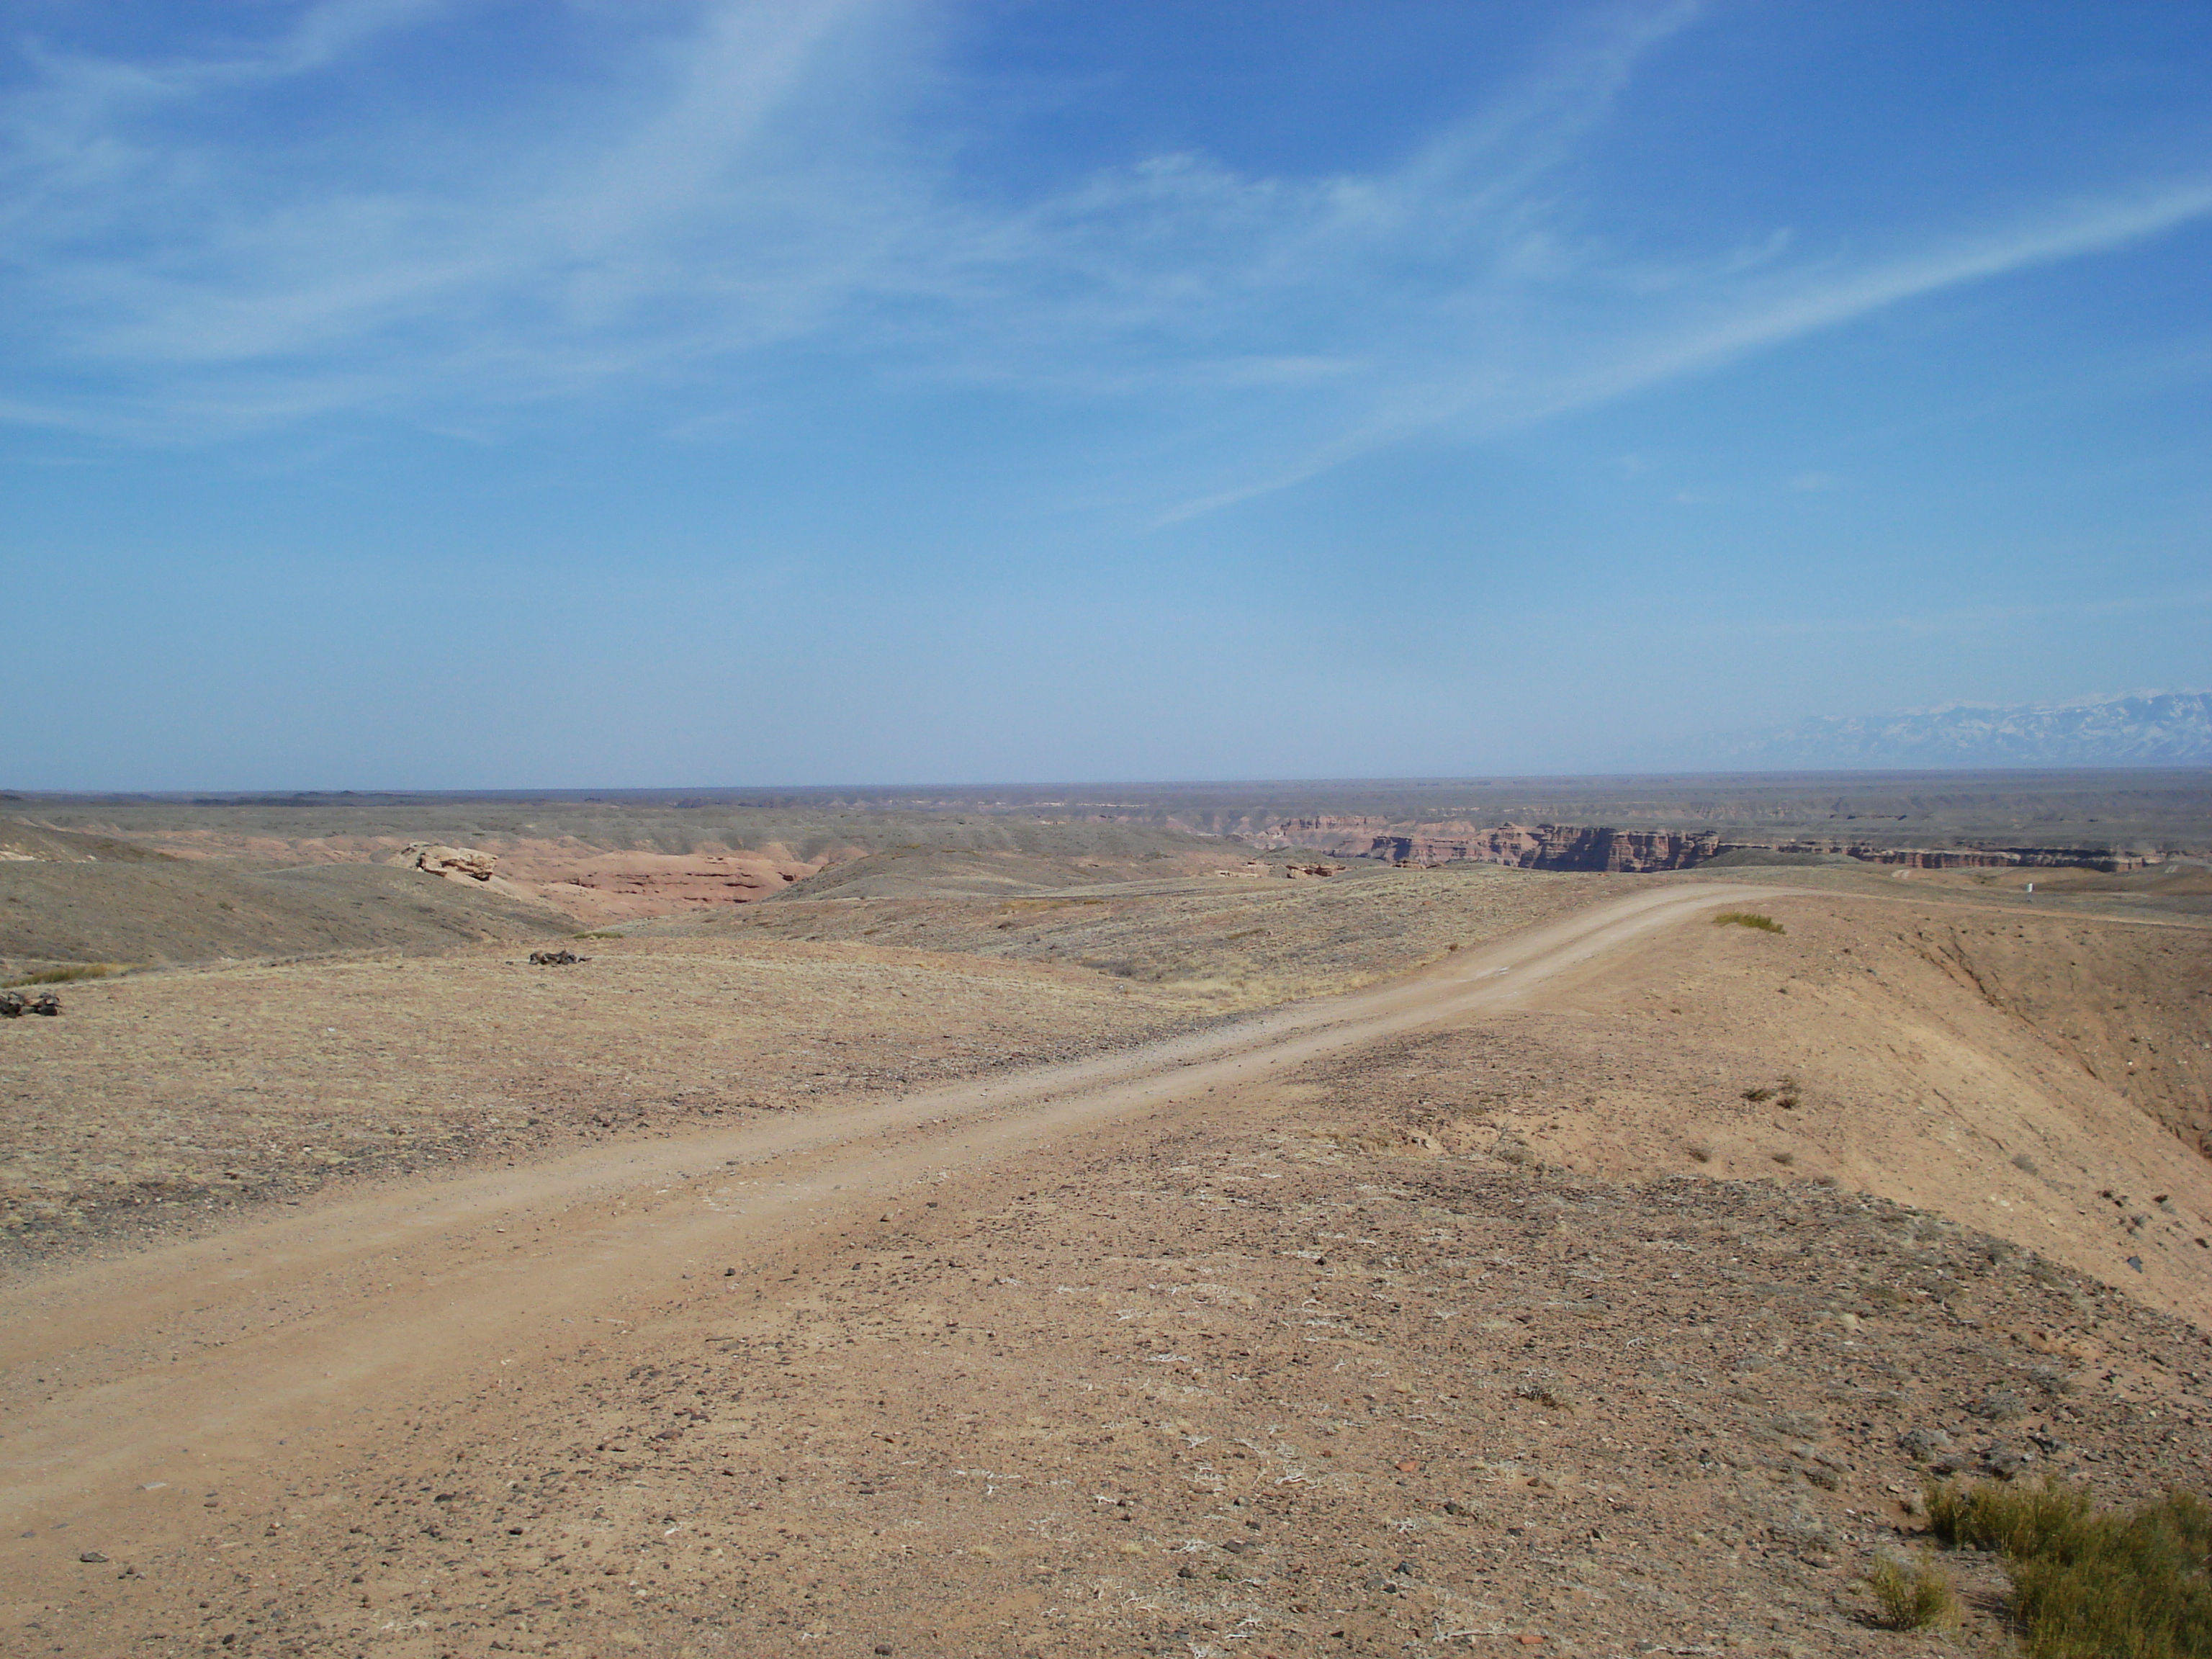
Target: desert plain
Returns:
[1036, 1223]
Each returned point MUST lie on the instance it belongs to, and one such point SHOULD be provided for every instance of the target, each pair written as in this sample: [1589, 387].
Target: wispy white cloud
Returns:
[761, 183]
[1486, 393]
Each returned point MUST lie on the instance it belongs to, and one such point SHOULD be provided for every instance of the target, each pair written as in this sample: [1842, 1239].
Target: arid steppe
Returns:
[1101, 1249]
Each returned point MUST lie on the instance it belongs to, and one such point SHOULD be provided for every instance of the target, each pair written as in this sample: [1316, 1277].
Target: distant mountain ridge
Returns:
[2164, 728]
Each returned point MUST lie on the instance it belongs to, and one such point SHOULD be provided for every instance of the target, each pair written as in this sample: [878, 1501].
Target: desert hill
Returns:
[66, 897]
[286, 876]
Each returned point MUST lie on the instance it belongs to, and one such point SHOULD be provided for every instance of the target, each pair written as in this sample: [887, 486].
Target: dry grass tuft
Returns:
[1915, 1594]
[2090, 1583]
[1748, 919]
[64, 976]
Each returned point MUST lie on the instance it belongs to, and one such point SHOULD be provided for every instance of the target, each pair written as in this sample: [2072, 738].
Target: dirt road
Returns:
[194, 1365]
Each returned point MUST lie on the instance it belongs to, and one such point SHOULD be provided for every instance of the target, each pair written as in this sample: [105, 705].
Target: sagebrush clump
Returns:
[1748, 919]
[2090, 1583]
[1915, 1594]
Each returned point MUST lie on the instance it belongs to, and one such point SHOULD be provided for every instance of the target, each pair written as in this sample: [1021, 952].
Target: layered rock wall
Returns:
[1590, 846]
[1539, 847]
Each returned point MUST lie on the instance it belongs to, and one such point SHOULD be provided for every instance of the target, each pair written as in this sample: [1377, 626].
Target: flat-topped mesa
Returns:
[1569, 847]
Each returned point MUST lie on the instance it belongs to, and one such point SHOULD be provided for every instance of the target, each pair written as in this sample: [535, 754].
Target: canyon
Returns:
[1567, 846]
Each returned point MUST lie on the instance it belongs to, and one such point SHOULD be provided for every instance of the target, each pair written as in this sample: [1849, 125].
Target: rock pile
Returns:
[454, 863]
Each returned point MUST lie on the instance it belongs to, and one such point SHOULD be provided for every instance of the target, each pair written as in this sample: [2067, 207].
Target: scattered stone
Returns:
[1918, 1443]
[1547, 1391]
[1999, 1405]
[555, 958]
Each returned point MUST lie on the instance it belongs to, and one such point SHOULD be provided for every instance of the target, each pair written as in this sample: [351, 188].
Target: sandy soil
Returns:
[173, 1097]
[2042, 1077]
[1184, 1347]
[1231, 943]
[159, 1099]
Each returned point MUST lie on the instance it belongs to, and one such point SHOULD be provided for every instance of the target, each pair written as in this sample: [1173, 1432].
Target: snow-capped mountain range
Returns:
[2163, 728]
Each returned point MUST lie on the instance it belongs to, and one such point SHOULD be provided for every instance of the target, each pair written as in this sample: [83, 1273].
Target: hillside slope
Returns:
[81, 898]
[2044, 1078]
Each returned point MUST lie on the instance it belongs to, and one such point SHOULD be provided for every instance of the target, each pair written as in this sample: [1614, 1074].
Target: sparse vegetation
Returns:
[1748, 919]
[2090, 1583]
[64, 976]
[1547, 1391]
[1512, 1149]
[1915, 1595]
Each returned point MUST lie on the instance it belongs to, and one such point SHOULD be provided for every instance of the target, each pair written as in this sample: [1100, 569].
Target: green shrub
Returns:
[2090, 1583]
[1748, 919]
[2013, 1521]
[64, 976]
[1914, 1594]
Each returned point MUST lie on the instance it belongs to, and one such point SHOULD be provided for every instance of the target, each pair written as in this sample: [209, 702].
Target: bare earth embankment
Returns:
[1477, 1304]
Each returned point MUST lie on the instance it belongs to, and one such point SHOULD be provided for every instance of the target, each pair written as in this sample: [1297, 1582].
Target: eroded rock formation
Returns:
[1592, 846]
[454, 863]
[1540, 847]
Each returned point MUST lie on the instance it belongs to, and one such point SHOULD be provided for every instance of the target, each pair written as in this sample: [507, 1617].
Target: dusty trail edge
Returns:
[193, 1362]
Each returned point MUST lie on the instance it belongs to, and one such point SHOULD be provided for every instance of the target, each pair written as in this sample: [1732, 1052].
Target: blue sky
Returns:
[449, 393]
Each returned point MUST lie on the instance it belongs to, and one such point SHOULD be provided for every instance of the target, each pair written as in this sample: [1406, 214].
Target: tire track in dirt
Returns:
[192, 1361]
